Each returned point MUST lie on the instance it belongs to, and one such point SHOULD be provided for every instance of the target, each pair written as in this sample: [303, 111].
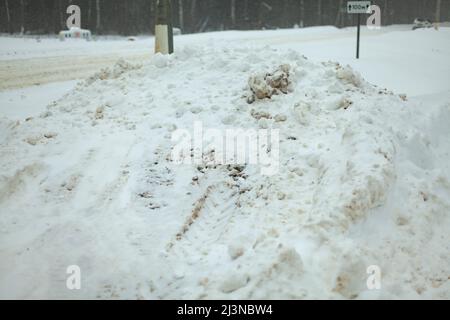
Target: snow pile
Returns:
[363, 180]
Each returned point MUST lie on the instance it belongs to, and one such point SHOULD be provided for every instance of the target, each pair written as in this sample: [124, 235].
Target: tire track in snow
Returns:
[196, 246]
[208, 219]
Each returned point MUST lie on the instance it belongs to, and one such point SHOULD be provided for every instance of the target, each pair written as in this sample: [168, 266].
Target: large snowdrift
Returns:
[363, 181]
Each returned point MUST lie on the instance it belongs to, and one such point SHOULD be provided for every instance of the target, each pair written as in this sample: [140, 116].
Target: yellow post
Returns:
[163, 27]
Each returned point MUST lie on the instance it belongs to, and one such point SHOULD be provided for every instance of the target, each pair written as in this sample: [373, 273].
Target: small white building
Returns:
[75, 33]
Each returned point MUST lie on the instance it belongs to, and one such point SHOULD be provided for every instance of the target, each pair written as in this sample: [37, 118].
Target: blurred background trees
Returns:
[132, 17]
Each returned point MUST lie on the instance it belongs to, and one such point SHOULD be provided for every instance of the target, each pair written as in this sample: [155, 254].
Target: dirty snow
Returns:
[364, 179]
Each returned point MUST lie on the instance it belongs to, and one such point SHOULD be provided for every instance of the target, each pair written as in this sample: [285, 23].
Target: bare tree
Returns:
[246, 18]
[22, 17]
[180, 14]
[193, 10]
[438, 11]
[385, 12]
[319, 12]
[89, 13]
[302, 13]
[339, 14]
[61, 17]
[8, 16]
[97, 6]
[233, 13]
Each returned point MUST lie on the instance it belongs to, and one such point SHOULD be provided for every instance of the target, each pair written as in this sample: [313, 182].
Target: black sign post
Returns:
[358, 7]
[358, 36]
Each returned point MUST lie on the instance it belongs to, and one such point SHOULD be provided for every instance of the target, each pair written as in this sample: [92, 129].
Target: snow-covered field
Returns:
[88, 178]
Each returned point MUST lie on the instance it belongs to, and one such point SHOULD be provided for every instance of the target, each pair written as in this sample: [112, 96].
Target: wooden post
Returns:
[163, 27]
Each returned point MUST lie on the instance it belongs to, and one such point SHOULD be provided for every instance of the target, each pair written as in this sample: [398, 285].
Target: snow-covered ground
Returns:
[87, 175]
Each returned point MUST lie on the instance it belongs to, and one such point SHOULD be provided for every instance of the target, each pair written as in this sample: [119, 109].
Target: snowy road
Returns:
[22, 73]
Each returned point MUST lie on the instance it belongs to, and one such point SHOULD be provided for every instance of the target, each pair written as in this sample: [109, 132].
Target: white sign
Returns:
[358, 7]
